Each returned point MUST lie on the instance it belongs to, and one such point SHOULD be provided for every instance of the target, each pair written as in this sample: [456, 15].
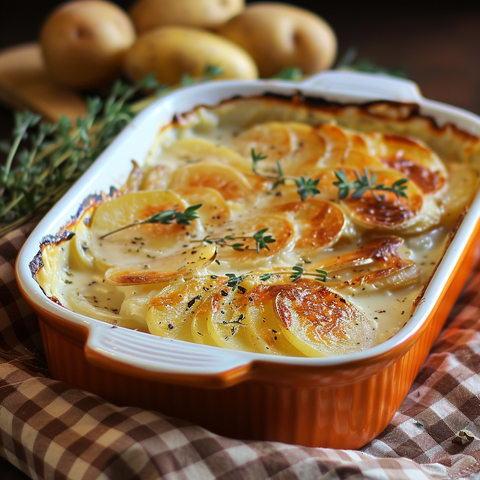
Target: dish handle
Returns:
[365, 85]
[161, 358]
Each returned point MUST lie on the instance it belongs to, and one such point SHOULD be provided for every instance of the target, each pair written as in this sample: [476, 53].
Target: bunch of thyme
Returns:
[43, 160]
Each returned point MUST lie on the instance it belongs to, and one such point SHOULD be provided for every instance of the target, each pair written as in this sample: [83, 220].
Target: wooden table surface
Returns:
[438, 46]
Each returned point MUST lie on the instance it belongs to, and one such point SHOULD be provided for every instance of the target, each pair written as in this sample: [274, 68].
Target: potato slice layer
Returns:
[230, 183]
[385, 209]
[411, 157]
[320, 322]
[141, 243]
[165, 268]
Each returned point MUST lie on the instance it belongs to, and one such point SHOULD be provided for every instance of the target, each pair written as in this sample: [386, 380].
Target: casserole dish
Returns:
[337, 402]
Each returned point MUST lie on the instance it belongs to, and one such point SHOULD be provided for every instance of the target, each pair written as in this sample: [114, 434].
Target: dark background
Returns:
[437, 45]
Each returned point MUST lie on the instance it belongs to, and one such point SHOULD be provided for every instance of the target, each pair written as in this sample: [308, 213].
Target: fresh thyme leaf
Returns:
[351, 61]
[322, 275]
[257, 157]
[209, 73]
[234, 280]
[365, 183]
[165, 217]
[260, 238]
[295, 274]
[305, 186]
[281, 177]
[293, 74]
[298, 272]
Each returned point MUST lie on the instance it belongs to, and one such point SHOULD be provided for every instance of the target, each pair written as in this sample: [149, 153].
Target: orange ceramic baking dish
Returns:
[337, 402]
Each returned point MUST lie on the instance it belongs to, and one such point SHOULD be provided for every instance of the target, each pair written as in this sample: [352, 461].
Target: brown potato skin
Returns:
[171, 52]
[280, 36]
[84, 42]
[150, 14]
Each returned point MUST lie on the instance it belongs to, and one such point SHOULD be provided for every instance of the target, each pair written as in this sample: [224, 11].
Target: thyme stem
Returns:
[164, 217]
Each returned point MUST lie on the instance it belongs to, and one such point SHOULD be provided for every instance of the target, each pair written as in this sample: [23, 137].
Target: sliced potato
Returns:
[411, 157]
[227, 324]
[170, 313]
[341, 152]
[263, 325]
[165, 268]
[462, 184]
[271, 139]
[382, 266]
[141, 243]
[214, 211]
[392, 212]
[156, 178]
[197, 149]
[356, 142]
[280, 228]
[243, 317]
[309, 148]
[320, 322]
[137, 300]
[106, 311]
[319, 223]
[230, 183]
[80, 252]
[203, 310]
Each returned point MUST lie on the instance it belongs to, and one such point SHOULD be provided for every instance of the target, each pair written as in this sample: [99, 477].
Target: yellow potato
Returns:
[83, 43]
[150, 14]
[280, 36]
[171, 52]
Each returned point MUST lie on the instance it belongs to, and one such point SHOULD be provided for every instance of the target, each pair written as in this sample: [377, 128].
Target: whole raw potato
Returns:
[149, 14]
[84, 42]
[280, 36]
[171, 52]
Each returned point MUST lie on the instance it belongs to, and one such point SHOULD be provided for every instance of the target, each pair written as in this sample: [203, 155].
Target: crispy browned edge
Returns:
[64, 235]
[405, 112]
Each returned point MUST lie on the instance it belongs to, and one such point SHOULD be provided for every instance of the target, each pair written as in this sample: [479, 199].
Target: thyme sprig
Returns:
[164, 217]
[261, 241]
[365, 183]
[305, 186]
[295, 274]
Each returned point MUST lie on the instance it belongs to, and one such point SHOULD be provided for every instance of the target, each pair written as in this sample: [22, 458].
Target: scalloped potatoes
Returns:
[315, 237]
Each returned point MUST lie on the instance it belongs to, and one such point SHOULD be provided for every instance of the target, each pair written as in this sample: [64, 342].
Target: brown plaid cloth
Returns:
[51, 431]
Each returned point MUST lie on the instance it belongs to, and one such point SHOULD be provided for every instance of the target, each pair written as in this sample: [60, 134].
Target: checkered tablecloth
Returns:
[50, 430]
